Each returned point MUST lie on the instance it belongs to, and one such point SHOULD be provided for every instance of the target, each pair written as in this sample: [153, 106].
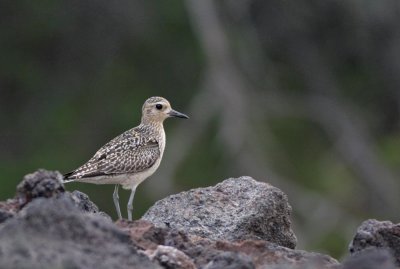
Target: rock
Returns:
[230, 260]
[82, 201]
[239, 223]
[41, 183]
[265, 254]
[377, 234]
[4, 215]
[206, 253]
[236, 209]
[45, 184]
[54, 233]
[148, 237]
[370, 258]
[171, 258]
[8, 209]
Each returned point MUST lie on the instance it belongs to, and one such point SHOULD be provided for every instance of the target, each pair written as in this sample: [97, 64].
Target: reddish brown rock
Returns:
[221, 254]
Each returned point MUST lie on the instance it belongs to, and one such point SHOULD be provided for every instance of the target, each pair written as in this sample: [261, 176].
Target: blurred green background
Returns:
[302, 94]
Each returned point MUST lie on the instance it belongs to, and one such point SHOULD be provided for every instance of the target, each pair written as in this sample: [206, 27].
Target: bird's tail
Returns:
[67, 178]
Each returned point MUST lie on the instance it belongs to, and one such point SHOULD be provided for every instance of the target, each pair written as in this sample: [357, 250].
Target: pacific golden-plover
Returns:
[131, 157]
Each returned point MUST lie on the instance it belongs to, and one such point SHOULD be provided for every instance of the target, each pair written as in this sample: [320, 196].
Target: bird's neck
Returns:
[156, 126]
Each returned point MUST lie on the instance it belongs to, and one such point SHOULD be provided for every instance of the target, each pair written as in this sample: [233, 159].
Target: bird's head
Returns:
[157, 109]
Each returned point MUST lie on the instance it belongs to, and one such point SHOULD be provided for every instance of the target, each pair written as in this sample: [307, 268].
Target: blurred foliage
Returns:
[310, 100]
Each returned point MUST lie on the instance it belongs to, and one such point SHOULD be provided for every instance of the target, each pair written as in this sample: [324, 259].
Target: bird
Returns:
[131, 157]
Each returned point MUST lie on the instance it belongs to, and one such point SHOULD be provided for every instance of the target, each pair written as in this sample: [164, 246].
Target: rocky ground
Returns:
[239, 223]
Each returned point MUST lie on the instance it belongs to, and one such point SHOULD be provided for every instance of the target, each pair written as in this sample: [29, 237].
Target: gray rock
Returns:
[267, 255]
[83, 202]
[45, 184]
[235, 209]
[370, 258]
[41, 183]
[211, 254]
[377, 234]
[54, 233]
[5, 215]
[235, 224]
[230, 260]
[171, 258]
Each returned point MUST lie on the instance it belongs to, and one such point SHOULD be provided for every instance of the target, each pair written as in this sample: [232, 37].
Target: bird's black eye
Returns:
[159, 106]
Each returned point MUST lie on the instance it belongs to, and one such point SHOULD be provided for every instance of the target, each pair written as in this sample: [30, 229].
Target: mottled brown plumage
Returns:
[131, 152]
[131, 157]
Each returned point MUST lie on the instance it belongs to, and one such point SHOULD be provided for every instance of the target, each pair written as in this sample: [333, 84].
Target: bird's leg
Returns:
[116, 201]
[130, 207]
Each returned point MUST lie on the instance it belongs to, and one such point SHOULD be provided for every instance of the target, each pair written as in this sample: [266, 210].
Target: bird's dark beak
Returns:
[174, 113]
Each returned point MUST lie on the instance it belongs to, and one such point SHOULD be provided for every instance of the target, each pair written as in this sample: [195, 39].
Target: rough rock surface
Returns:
[230, 260]
[170, 257]
[41, 183]
[370, 258]
[377, 234]
[239, 223]
[265, 253]
[206, 253]
[8, 209]
[235, 209]
[45, 184]
[54, 233]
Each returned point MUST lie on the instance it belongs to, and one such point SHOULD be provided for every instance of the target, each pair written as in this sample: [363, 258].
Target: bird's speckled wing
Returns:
[130, 152]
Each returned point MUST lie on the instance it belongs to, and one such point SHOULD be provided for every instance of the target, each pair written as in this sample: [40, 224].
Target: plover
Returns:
[131, 157]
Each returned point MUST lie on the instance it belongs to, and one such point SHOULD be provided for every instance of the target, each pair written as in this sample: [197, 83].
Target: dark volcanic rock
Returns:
[45, 184]
[8, 209]
[147, 237]
[4, 215]
[236, 209]
[82, 201]
[377, 234]
[206, 253]
[41, 183]
[370, 258]
[239, 223]
[54, 233]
